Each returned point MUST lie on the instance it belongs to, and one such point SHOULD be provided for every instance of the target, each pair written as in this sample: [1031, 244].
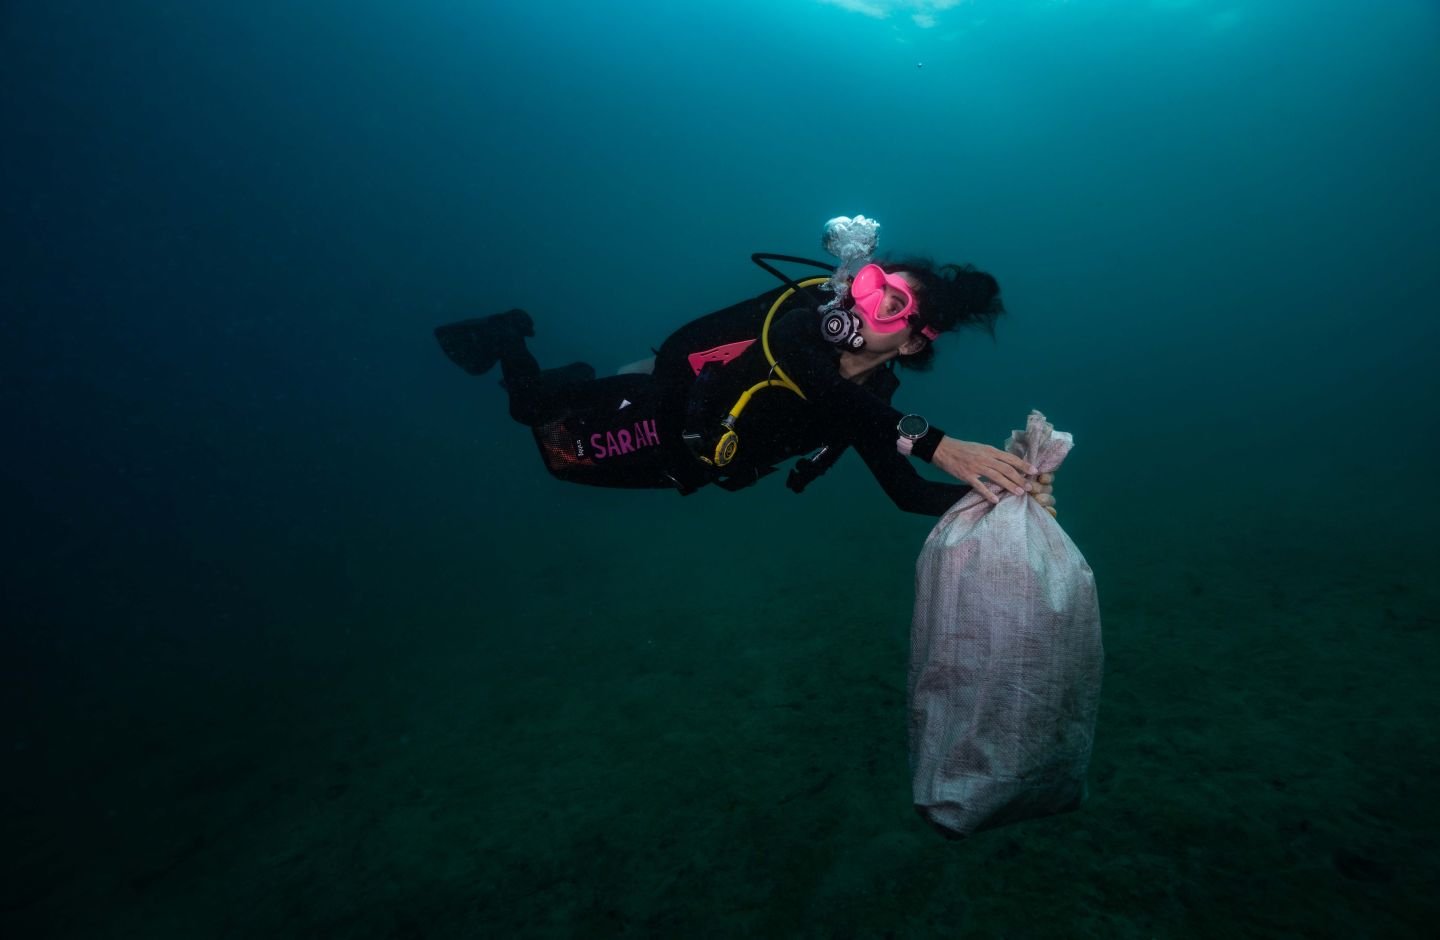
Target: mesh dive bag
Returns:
[1005, 658]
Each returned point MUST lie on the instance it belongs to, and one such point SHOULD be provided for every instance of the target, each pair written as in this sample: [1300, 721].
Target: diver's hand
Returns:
[970, 463]
[1043, 492]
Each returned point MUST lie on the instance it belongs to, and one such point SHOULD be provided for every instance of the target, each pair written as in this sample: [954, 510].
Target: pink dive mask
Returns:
[868, 291]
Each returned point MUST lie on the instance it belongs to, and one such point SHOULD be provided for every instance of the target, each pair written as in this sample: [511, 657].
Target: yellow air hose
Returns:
[729, 441]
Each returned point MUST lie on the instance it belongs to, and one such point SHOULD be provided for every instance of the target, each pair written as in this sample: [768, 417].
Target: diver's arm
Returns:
[847, 410]
[909, 491]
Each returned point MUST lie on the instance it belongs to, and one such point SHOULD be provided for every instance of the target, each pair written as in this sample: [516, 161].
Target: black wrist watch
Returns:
[911, 428]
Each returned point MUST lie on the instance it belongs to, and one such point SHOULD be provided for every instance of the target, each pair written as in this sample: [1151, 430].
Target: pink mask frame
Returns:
[867, 289]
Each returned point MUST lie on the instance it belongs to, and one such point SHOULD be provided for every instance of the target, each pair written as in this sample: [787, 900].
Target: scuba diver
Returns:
[782, 375]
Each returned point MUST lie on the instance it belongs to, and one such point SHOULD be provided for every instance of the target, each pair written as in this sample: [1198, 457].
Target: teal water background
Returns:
[301, 638]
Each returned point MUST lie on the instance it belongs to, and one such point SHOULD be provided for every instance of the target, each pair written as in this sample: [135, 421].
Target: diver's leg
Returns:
[536, 395]
[546, 394]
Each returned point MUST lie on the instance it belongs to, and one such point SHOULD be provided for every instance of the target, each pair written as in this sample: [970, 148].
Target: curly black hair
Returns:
[949, 297]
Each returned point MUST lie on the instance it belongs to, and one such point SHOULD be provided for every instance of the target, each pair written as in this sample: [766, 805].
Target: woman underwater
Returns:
[778, 376]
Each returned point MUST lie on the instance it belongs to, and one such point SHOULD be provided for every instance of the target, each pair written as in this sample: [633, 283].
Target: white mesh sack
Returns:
[1005, 658]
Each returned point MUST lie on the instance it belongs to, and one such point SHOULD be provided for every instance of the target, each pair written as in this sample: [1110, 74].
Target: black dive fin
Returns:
[476, 345]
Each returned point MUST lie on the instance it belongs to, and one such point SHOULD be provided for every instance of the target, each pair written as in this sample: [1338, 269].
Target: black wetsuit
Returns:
[627, 430]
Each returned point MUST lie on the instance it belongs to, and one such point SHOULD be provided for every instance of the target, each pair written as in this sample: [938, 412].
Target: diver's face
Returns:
[881, 297]
[903, 341]
[894, 300]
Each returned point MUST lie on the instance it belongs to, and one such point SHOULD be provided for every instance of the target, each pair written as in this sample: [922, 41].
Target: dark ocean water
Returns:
[300, 640]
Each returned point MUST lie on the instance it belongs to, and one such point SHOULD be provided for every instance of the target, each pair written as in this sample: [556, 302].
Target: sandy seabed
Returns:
[629, 730]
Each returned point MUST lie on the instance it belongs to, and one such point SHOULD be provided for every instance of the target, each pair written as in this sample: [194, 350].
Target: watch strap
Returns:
[924, 448]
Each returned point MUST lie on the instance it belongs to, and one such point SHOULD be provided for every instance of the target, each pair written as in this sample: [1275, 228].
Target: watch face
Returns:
[913, 426]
